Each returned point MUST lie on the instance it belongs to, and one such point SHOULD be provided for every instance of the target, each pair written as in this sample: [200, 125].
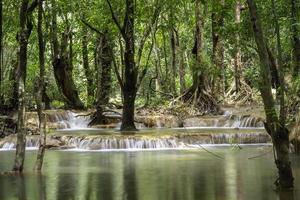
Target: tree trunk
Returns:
[167, 73]
[173, 60]
[87, 70]
[24, 34]
[218, 49]
[104, 77]
[281, 90]
[295, 6]
[1, 54]
[198, 95]
[40, 89]
[181, 64]
[131, 72]
[157, 68]
[276, 129]
[62, 65]
[238, 54]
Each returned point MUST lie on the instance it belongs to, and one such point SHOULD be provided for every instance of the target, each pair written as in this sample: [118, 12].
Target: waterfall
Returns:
[32, 142]
[225, 121]
[70, 120]
[109, 142]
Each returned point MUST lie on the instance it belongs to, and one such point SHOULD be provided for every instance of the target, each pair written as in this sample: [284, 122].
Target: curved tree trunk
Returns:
[62, 65]
[64, 80]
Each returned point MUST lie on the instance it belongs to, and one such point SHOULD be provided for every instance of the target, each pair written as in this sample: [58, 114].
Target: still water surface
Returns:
[148, 175]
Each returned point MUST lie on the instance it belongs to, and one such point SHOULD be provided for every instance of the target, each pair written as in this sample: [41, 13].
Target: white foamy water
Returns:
[73, 121]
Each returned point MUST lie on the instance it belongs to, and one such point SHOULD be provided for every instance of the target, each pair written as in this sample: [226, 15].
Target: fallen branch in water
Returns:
[260, 155]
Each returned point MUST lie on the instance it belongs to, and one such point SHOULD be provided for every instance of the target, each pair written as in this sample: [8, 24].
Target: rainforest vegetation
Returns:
[161, 55]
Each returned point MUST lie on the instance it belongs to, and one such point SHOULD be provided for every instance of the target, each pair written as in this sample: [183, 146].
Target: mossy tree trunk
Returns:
[218, 87]
[104, 66]
[275, 124]
[26, 26]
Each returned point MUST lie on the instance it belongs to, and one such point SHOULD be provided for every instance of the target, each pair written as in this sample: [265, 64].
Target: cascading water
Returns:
[225, 121]
[31, 143]
[117, 142]
[191, 134]
[72, 120]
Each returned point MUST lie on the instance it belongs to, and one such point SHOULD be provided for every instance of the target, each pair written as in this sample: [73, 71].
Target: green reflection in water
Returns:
[150, 175]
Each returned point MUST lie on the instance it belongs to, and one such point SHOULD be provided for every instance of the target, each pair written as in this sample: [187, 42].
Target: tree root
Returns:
[243, 96]
[201, 100]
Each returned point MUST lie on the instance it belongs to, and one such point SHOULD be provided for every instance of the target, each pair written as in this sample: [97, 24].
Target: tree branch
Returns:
[147, 33]
[91, 27]
[117, 72]
[121, 29]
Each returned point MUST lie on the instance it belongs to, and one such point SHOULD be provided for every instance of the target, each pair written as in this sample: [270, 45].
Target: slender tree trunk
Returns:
[181, 69]
[157, 67]
[295, 6]
[167, 73]
[39, 96]
[173, 60]
[218, 49]
[130, 82]
[273, 125]
[238, 54]
[87, 70]
[1, 53]
[24, 34]
[280, 89]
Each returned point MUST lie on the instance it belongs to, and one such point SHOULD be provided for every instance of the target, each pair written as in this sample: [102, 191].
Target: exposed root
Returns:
[245, 95]
[201, 100]
[100, 118]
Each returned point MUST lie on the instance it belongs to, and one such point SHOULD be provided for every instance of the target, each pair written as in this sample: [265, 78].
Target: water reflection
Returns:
[167, 175]
[41, 186]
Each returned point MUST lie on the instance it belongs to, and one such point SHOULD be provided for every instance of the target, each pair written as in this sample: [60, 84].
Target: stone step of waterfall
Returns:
[109, 142]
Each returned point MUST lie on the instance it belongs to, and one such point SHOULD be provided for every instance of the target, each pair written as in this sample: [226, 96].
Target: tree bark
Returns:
[40, 89]
[24, 34]
[277, 130]
[295, 6]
